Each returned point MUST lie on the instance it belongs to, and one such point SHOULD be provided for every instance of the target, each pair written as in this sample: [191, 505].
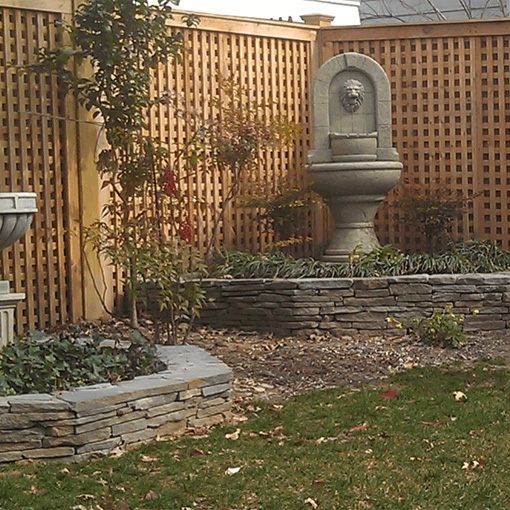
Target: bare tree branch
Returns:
[440, 15]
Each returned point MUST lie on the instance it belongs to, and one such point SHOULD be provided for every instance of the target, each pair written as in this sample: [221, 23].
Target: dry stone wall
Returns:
[355, 305]
[194, 392]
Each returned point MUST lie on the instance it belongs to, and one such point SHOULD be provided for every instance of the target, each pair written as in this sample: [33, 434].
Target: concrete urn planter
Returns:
[17, 210]
[16, 213]
[353, 164]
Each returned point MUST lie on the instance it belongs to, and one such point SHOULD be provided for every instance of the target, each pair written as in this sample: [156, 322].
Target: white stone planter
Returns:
[17, 210]
[16, 213]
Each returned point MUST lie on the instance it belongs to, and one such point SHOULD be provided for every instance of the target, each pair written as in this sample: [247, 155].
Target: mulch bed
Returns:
[274, 368]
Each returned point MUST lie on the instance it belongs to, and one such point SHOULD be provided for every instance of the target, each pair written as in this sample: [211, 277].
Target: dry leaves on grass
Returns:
[459, 396]
[311, 502]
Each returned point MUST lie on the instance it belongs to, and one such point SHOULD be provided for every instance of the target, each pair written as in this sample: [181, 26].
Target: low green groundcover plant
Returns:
[443, 327]
[465, 257]
[426, 439]
[37, 365]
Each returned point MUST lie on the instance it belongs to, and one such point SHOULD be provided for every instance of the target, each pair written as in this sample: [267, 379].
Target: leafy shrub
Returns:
[465, 257]
[38, 365]
[431, 209]
[443, 327]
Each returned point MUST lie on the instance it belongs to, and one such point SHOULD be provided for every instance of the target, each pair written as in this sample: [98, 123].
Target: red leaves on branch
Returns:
[169, 183]
[185, 231]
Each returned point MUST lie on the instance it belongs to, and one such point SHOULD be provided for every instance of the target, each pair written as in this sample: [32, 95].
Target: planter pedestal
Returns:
[8, 302]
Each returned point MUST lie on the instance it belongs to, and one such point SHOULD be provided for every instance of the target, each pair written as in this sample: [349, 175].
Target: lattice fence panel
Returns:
[32, 159]
[450, 97]
[270, 70]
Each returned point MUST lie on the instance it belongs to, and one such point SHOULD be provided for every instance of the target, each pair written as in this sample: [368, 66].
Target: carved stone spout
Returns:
[354, 163]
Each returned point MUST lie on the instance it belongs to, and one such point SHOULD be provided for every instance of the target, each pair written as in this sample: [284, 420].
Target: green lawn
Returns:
[338, 449]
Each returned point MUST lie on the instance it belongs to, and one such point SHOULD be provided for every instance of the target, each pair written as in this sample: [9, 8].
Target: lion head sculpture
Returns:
[352, 95]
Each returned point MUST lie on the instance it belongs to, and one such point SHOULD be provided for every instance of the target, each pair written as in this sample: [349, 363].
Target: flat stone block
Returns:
[370, 283]
[48, 453]
[375, 293]
[325, 283]
[149, 402]
[206, 422]
[78, 439]
[280, 285]
[20, 445]
[106, 446]
[485, 326]
[213, 410]
[60, 430]
[171, 429]
[456, 288]
[442, 279]
[164, 410]
[179, 416]
[369, 302]
[10, 456]
[214, 390]
[128, 427]
[410, 288]
[141, 435]
[109, 422]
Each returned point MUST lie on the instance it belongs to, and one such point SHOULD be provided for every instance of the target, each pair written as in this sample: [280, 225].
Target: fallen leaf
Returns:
[473, 464]
[311, 502]
[196, 451]
[437, 423]
[151, 496]
[234, 436]
[65, 471]
[33, 490]
[278, 430]
[389, 394]
[123, 506]
[146, 458]
[319, 483]
[276, 407]
[86, 497]
[232, 471]
[459, 396]
[363, 426]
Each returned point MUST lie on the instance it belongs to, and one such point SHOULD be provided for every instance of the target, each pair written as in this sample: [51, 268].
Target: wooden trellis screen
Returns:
[451, 104]
[33, 158]
[273, 63]
[451, 114]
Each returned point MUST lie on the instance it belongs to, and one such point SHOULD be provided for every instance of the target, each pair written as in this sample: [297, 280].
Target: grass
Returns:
[340, 449]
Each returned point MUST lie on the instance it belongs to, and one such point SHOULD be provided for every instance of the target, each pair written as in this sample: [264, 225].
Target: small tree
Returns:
[124, 41]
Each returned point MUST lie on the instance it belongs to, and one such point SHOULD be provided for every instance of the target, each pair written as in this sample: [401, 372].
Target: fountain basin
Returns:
[348, 179]
[16, 212]
[353, 192]
[353, 147]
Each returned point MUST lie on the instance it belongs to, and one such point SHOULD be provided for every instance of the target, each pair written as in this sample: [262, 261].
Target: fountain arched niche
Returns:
[354, 163]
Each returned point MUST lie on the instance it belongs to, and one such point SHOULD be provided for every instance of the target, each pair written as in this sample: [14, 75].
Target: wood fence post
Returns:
[91, 279]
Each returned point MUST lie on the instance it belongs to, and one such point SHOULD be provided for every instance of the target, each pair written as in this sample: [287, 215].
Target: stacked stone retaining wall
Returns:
[355, 305]
[194, 392]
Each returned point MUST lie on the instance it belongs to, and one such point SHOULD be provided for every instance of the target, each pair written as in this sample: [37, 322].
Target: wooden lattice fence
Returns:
[451, 115]
[451, 121]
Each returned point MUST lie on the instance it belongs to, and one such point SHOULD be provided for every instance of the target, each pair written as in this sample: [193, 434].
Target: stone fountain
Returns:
[354, 163]
[16, 213]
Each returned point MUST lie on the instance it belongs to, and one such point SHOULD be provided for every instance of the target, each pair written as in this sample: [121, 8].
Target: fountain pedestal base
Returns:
[8, 302]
